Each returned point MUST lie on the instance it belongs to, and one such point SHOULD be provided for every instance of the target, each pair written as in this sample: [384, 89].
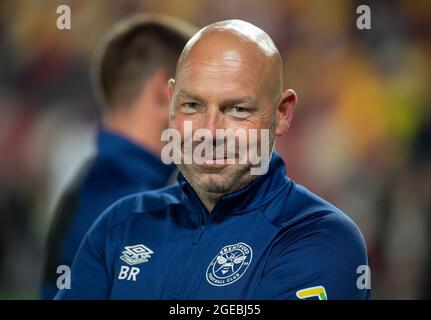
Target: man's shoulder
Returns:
[139, 205]
[300, 211]
[310, 220]
[319, 245]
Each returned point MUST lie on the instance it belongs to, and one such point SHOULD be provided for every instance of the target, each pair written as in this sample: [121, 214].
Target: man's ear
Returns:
[285, 111]
[171, 87]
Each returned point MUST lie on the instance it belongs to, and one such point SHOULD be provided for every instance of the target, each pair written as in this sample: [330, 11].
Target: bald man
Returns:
[234, 227]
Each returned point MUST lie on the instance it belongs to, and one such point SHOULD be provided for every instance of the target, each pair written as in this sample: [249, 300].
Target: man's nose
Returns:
[214, 120]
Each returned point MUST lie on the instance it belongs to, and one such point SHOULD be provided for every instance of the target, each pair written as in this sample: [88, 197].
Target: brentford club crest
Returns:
[229, 265]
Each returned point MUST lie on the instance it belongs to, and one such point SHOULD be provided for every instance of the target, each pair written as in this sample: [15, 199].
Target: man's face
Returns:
[222, 89]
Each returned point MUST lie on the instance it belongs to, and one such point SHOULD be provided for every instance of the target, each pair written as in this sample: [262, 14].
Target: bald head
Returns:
[235, 42]
[242, 30]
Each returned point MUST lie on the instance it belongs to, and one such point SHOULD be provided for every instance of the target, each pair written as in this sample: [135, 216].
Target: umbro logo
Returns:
[136, 254]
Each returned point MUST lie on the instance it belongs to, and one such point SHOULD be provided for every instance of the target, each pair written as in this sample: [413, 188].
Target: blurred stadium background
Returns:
[360, 138]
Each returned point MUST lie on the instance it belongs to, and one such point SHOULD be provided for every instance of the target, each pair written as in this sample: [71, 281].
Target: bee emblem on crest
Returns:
[229, 265]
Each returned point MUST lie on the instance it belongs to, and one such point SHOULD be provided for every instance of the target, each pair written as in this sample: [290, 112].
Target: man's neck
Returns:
[131, 124]
[208, 199]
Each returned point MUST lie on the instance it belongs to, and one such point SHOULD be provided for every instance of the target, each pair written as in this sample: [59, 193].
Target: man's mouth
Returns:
[215, 160]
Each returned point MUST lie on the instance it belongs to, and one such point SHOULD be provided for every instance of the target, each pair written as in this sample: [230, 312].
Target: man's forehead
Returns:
[224, 51]
[226, 62]
[221, 64]
[219, 78]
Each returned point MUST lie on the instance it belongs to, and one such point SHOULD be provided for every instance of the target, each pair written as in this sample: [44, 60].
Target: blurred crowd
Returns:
[361, 136]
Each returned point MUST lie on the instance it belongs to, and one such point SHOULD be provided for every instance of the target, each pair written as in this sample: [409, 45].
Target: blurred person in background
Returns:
[131, 67]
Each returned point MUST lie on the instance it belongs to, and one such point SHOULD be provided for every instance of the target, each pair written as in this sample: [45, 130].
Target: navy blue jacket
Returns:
[272, 240]
[120, 168]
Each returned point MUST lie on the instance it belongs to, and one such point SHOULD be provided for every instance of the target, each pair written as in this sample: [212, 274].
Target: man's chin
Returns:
[223, 180]
[212, 182]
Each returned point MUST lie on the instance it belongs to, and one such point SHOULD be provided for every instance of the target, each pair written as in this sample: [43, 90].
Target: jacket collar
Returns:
[257, 193]
[131, 159]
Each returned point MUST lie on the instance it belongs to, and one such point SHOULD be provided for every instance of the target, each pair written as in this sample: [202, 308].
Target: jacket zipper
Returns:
[196, 237]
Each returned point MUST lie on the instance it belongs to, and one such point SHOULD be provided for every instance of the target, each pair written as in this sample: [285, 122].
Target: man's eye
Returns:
[189, 107]
[239, 112]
